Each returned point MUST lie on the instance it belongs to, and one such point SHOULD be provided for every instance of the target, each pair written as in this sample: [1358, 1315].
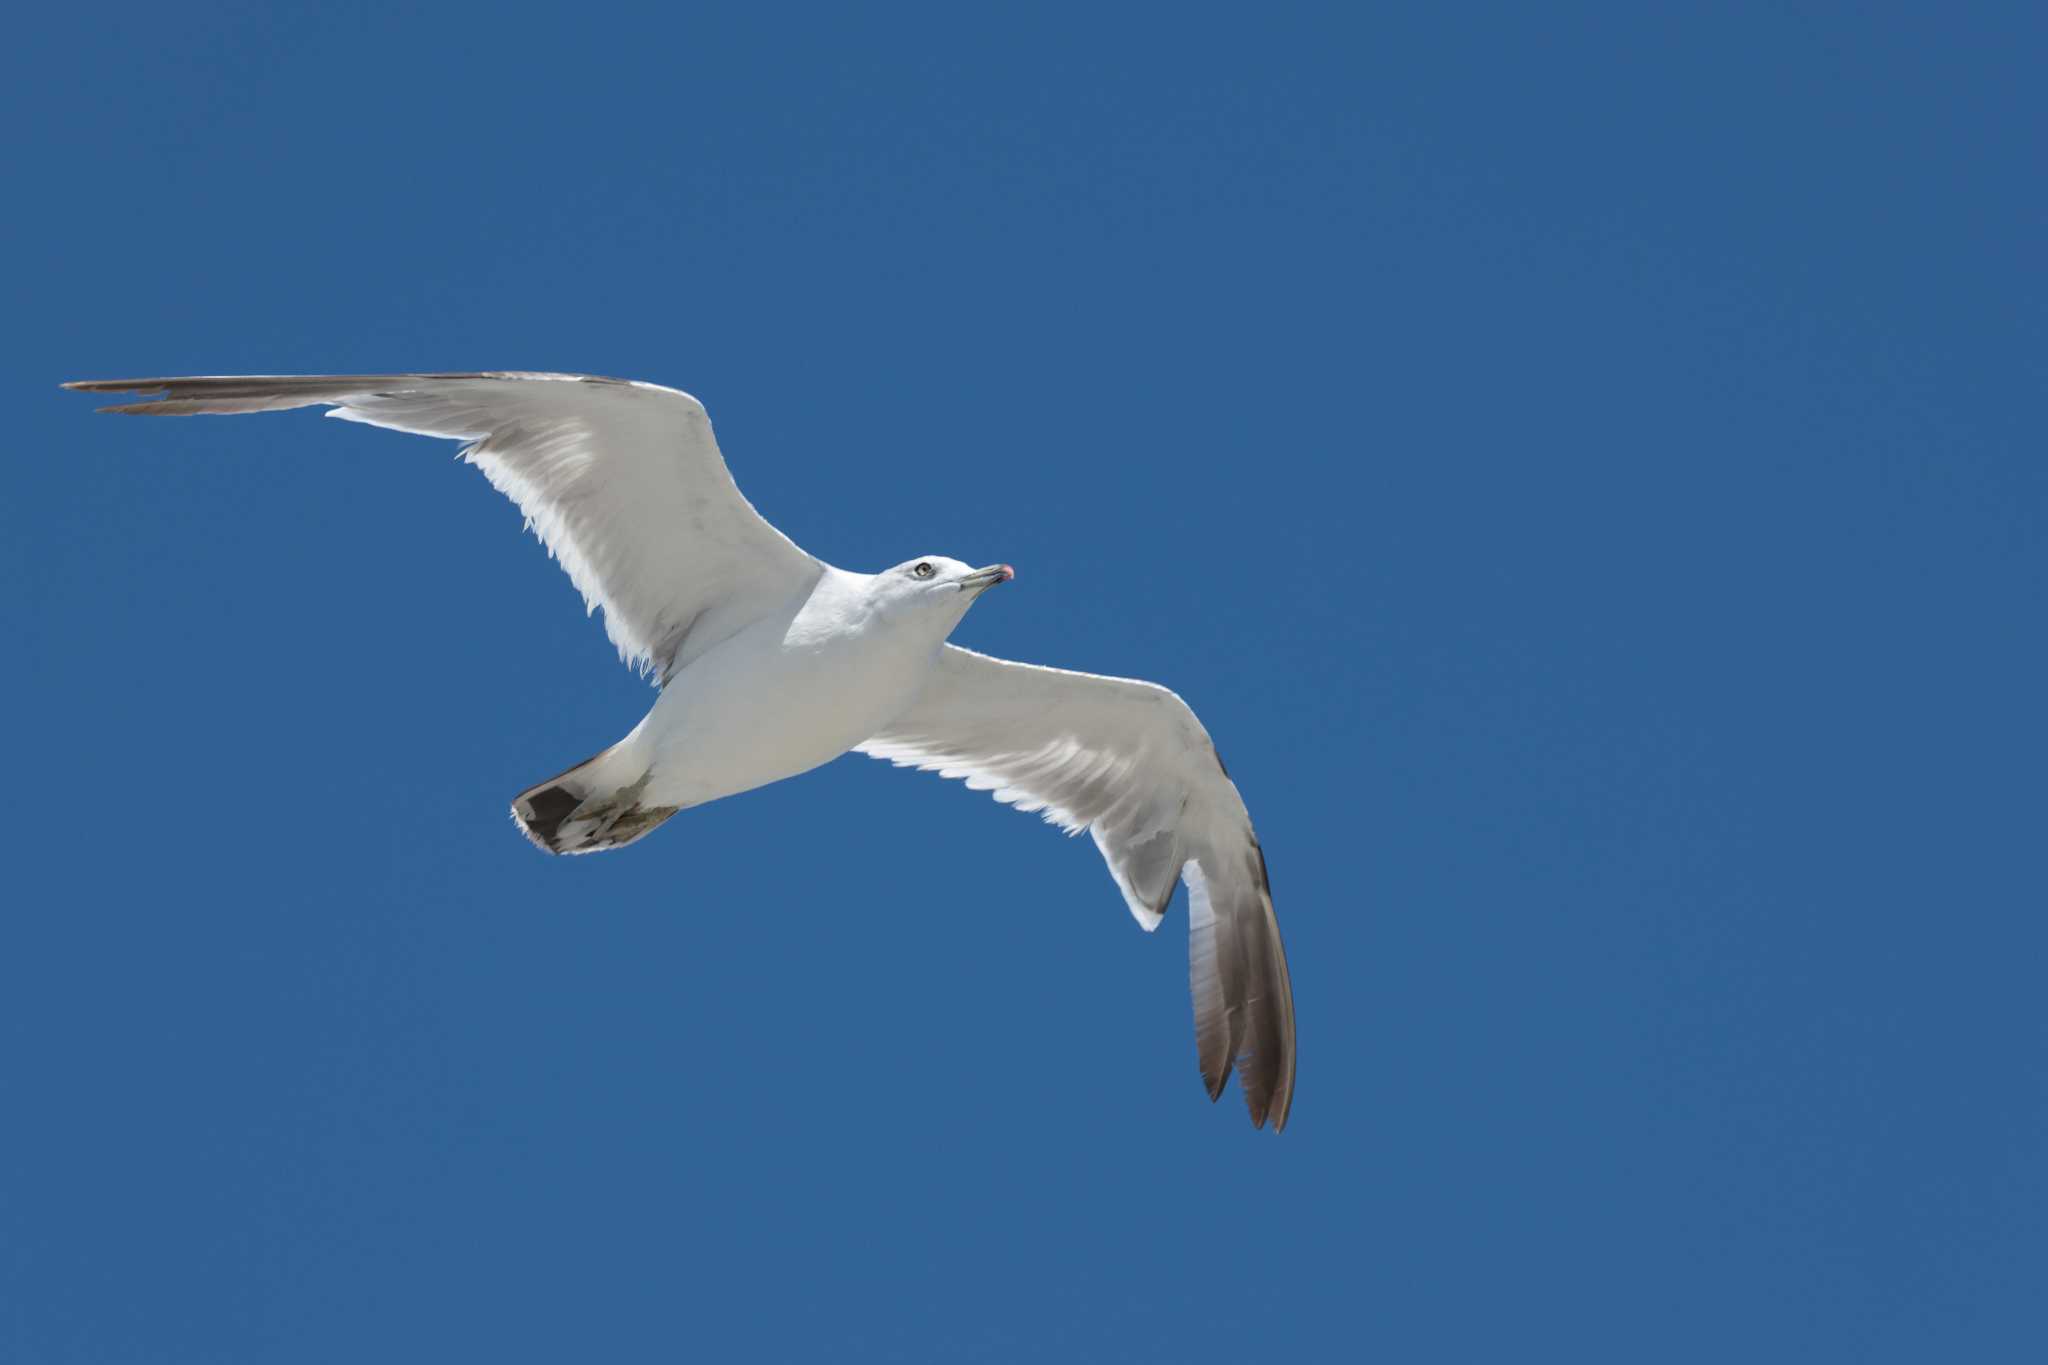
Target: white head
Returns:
[933, 588]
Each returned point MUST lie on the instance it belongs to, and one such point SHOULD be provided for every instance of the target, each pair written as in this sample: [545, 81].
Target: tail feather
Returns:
[594, 806]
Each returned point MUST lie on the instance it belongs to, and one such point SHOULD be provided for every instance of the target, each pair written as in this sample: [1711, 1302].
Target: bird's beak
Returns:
[983, 579]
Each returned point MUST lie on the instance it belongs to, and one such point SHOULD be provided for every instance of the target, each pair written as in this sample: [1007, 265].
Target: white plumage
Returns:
[772, 662]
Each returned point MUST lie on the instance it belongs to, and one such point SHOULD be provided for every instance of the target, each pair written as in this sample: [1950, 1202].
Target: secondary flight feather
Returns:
[771, 662]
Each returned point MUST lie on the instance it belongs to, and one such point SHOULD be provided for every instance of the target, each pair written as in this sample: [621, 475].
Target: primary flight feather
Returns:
[771, 662]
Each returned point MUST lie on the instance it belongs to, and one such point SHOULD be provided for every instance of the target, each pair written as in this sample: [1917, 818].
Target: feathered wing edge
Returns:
[605, 472]
[1198, 832]
[1237, 974]
[202, 394]
[1237, 965]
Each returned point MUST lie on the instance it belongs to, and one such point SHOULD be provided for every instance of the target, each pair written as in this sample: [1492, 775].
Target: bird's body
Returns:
[795, 689]
[792, 691]
[772, 662]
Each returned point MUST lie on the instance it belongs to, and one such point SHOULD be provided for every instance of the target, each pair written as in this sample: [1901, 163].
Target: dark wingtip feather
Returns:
[115, 385]
[1276, 1079]
[1251, 1031]
[119, 386]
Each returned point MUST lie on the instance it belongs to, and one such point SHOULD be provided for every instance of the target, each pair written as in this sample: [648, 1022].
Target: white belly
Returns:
[760, 708]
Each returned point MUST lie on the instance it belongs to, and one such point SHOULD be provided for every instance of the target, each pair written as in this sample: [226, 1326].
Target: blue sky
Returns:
[1583, 465]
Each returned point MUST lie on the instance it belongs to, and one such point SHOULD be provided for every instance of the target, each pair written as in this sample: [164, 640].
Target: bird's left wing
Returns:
[622, 481]
[1128, 762]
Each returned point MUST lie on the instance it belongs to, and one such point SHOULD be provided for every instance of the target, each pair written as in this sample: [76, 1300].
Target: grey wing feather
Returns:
[1129, 762]
[623, 482]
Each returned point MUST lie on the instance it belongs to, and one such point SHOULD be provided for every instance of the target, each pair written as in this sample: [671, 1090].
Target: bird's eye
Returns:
[923, 569]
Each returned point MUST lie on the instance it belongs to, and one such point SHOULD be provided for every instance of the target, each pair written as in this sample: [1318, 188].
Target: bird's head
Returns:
[935, 588]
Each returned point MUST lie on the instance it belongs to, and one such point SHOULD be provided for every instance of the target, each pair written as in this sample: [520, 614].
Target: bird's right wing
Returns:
[622, 481]
[1128, 762]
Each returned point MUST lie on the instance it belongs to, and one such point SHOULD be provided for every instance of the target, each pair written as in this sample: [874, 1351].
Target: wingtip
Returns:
[120, 386]
[1272, 1100]
[110, 385]
[1273, 1108]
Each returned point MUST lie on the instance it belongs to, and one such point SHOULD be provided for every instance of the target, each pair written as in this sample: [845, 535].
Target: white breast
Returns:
[788, 693]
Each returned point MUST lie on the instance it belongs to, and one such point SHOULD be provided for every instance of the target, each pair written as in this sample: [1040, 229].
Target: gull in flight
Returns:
[771, 662]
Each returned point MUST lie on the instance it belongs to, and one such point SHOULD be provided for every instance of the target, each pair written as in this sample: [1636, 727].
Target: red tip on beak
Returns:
[1008, 572]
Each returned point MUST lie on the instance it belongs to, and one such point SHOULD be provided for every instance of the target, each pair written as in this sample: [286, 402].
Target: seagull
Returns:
[771, 662]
